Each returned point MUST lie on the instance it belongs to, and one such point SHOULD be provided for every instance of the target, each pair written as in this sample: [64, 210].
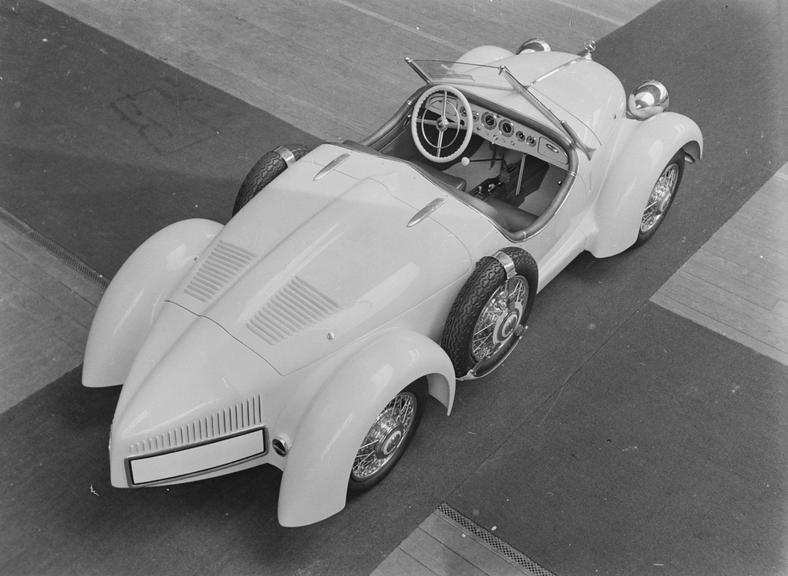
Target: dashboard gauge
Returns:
[506, 127]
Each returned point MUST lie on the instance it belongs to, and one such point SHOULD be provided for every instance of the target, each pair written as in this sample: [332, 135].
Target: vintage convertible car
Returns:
[357, 279]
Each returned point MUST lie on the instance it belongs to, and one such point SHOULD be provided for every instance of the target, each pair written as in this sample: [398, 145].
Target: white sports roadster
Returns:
[356, 279]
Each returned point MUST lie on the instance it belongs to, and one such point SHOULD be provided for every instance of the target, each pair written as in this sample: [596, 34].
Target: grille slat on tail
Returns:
[295, 307]
[243, 415]
[224, 264]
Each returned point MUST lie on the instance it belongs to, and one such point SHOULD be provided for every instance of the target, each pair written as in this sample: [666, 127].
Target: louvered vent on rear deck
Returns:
[224, 264]
[292, 309]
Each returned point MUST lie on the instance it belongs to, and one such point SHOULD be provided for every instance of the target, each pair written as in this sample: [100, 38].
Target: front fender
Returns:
[135, 295]
[315, 478]
[628, 184]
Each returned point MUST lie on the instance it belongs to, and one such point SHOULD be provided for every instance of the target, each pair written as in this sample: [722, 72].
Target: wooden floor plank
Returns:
[467, 547]
[737, 283]
[745, 236]
[25, 250]
[35, 280]
[616, 12]
[46, 308]
[662, 299]
[468, 23]
[781, 308]
[769, 223]
[399, 563]
[736, 279]
[31, 355]
[730, 309]
[42, 312]
[305, 61]
[437, 557]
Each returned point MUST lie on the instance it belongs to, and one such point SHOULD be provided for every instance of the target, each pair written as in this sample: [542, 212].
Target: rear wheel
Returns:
[387, 438]
[661, 198]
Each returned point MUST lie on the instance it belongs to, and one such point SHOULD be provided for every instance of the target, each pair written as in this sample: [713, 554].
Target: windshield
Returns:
[439, 71]
[495, 77]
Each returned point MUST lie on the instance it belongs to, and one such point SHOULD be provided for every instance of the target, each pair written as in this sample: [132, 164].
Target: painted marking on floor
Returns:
[737, 283]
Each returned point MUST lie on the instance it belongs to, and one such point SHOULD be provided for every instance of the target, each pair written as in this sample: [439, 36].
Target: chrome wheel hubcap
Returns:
[501, 315]
[385, 436]
[660, 198]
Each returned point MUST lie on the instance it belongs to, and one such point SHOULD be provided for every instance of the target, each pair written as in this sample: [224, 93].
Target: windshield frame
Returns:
[423, 69]
[511, 84]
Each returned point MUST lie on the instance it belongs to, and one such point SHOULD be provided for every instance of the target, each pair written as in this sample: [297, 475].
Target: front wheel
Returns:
[387, 438]
[661, 198]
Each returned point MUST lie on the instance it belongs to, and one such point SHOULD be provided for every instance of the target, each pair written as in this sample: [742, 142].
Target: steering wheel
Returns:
[440, 117]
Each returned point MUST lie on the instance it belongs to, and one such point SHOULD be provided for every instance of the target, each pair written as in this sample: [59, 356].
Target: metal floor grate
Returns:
[491, 541]
[61, 253]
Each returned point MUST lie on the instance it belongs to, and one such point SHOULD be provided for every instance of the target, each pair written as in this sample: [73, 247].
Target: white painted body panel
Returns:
[133, 299]
[580, 91]
[304, 315]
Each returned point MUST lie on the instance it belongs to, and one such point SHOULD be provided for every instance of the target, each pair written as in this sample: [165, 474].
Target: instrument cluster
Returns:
[503, 131]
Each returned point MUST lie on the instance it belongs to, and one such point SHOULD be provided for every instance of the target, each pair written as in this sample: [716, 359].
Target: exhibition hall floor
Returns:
[640, 428]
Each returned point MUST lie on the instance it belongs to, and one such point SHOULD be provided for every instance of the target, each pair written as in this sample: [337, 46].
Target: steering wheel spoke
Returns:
[439, 139]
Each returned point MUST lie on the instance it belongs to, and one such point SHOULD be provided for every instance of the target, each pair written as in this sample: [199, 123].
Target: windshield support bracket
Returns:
[417, 69]
[564, 128]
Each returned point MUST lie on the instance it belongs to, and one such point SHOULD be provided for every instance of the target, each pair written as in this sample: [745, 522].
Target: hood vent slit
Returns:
[223, 264]
[295, 307]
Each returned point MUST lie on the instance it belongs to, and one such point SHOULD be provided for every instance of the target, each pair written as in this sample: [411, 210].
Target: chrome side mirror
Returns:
[647, 100]
[534, 45]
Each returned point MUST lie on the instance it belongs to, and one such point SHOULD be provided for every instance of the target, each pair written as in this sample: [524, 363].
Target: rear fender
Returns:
[134, 298]
[628, 184]
[317, 470]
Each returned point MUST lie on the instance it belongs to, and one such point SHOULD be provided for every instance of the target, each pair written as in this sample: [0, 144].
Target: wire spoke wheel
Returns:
[660, 199]
[387, 438]
[495, 327]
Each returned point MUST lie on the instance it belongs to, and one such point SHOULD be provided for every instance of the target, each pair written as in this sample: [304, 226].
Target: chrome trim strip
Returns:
[426, 211]
[330, 166]
[286, 154]
[554, 70]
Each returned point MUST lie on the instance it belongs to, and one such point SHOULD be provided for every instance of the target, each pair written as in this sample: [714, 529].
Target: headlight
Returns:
[648, 99]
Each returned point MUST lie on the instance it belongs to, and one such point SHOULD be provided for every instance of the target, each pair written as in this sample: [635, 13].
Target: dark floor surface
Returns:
[618, 438]
[103, 145]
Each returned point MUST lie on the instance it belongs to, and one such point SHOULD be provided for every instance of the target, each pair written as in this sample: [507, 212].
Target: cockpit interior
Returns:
[495, 162]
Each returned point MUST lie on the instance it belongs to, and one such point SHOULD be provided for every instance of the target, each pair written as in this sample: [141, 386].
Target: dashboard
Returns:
[508, 133]
[501, 130]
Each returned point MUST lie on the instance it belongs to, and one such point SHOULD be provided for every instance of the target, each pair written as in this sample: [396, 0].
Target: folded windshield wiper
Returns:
[565, 129]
